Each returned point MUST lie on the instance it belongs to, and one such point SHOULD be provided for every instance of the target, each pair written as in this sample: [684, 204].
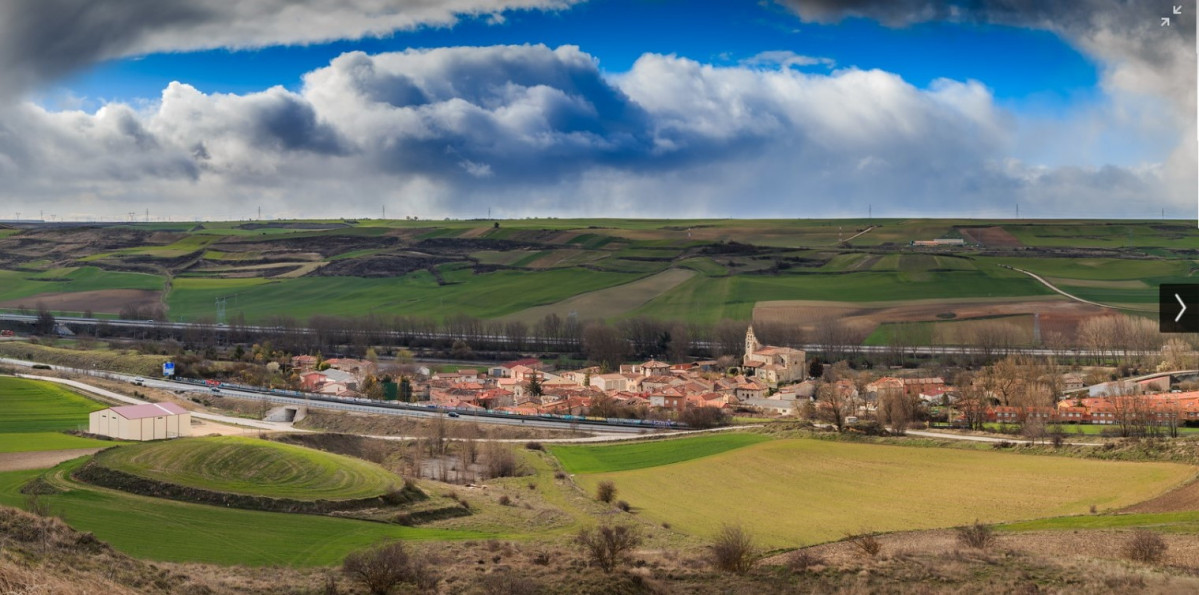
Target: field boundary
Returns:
[97, 474]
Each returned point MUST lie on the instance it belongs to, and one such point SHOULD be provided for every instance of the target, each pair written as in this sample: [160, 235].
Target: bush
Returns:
[534, 446]
[702, 418]
[502, 462]
[801, 560]
[559, 475]
[508, 582]
[505, 500]
[866, 543]
[624, 506]
[381, 569]
[733, 550]
[1145, 546]
[606, 546]
[977, 536]
[605, 492]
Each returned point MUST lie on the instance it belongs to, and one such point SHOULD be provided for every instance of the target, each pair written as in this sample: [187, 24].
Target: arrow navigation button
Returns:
[1173, 305]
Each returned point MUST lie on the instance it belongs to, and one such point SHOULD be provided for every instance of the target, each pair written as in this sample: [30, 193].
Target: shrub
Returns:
[606, 546]
[605, 491]
[977, 536]
[502, 462]
[381, 569]
[505, 500]
[508, 582]
[559, 475]
[866, 543]
[623, 505]
[534, 446]
[1145, 546]
[734, 550]
[801, 560]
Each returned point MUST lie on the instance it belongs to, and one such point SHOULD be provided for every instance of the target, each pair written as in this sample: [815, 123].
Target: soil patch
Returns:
[612, 301]
[991, 237]
[1182, 499]
[42, 459]
[109, 301]
[1057, 314]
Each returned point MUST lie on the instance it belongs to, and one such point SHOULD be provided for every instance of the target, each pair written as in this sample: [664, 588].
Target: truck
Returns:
[7, 333]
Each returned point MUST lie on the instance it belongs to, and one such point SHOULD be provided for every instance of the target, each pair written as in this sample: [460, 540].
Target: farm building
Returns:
[152, 421]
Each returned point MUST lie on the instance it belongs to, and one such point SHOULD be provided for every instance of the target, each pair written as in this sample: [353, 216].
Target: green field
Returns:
[1168, 522]
[639, 455]
[16, 285]
[487, 296]
[31, 406]
[252, 466]
[802, 491]
[35, 441]
[180, 532]
[478, 269]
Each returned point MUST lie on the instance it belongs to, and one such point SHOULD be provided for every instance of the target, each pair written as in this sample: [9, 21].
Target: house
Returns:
[151, 421]
[773, 406]
[749, 390]
[610, 382]
[304, 362]
[773, 365]
[654, 368]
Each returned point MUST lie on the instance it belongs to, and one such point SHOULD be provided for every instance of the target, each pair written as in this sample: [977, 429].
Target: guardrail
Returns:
[371, 403]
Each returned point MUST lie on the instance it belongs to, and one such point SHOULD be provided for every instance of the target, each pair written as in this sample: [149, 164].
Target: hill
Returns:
[250, 466]
[798, 492]
[700, 271]
[36, 413]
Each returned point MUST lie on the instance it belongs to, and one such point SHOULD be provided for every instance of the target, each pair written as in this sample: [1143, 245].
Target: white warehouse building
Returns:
[152, 421]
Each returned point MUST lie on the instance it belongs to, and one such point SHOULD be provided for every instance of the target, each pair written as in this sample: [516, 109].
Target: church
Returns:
[772, 365]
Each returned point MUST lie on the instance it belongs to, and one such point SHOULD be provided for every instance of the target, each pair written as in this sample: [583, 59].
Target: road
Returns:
[701, 345]
[275, 426]
[355, 405]
[968, 438]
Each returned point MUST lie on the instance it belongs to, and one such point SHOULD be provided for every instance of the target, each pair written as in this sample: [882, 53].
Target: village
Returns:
[769, 382]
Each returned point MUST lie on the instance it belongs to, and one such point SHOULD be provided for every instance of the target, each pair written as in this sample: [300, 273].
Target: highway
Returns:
[809, 347]
[356, 405]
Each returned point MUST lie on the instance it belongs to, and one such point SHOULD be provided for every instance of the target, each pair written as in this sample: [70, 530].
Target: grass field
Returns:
[798, 492]
[252, 466]
[36, 441]
[708, 299]
[640, 455]
[574, 262]
[612, 301]
[1168, 522]
[16, 285]
[413, 294]
[30, 406]
[180, 532]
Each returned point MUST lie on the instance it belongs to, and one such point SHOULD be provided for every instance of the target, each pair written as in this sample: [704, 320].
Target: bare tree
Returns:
[833, 405]
[734, 550]
[383, 568]
[607, 545]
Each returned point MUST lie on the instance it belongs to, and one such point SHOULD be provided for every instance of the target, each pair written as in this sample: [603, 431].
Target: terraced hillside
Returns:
[698, 271]
[250, 466]
[798, 492]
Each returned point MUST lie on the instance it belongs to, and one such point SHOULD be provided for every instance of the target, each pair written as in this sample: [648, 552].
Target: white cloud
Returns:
[786, 59]
[529, 130]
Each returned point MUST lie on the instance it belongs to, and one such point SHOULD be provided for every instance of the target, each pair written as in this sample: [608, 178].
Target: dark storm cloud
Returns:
[41, 40]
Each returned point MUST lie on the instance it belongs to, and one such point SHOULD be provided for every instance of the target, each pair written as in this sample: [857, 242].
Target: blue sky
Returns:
[1017, 64]
[661, 108]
